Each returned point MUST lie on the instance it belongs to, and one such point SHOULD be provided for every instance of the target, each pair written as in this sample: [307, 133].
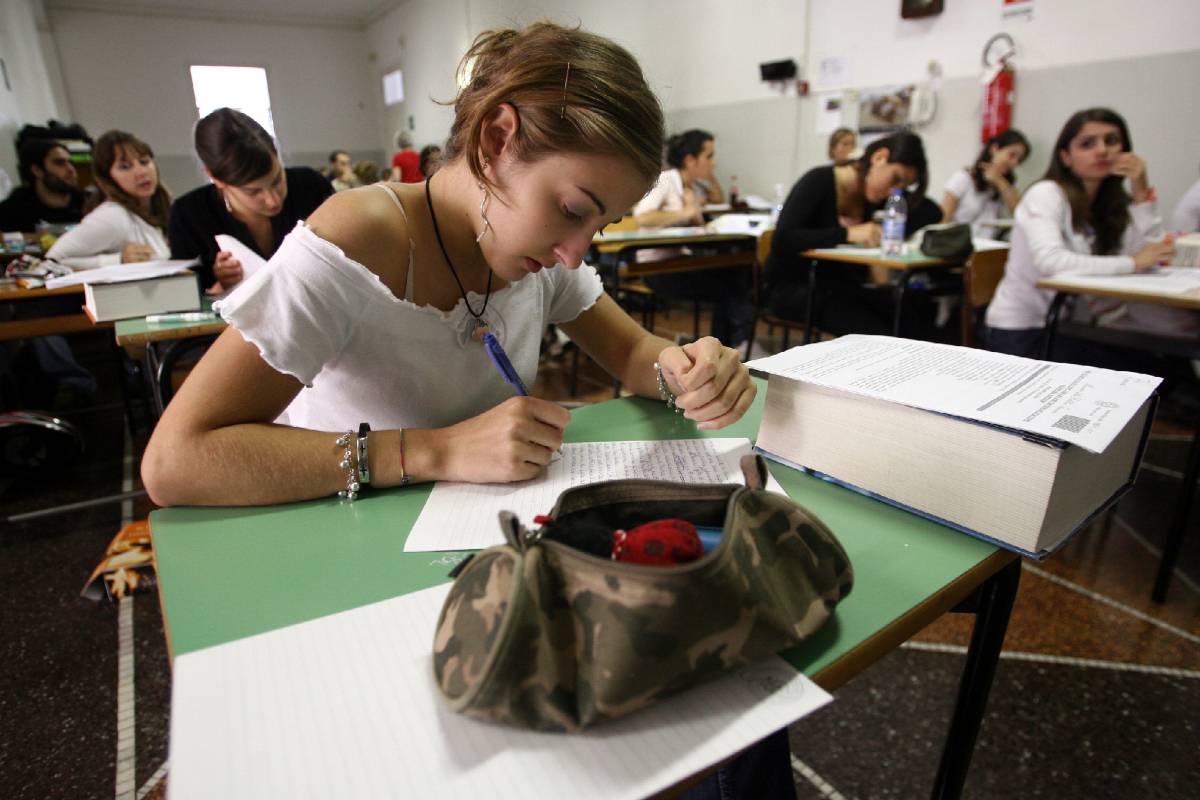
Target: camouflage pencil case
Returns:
[538, 634]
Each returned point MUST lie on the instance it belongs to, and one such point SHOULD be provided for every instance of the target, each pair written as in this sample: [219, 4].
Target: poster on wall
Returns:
[1016, 10]
[829, 112]
[885, 108]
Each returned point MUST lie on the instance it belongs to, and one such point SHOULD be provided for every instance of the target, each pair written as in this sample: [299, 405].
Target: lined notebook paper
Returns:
[464, 516]
[346, 706]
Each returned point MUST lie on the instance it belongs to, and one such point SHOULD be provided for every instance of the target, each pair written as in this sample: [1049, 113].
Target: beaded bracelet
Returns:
[352, 486]
[664, 391]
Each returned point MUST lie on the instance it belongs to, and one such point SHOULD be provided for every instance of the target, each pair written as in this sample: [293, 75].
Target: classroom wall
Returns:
[702, 57]
[318, 76]
[29, 94]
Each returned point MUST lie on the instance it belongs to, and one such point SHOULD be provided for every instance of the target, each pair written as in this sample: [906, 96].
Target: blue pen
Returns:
[500, 359]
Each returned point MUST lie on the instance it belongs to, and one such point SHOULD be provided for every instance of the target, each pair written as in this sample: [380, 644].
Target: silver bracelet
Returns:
[347, 464]
[364, 462]
[664, 391]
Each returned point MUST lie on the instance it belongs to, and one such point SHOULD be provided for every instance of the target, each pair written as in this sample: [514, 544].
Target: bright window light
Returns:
[393, 87]
[240, 88]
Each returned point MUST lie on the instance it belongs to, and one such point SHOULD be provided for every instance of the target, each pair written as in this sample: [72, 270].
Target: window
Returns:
[393, 87]
[240, 88]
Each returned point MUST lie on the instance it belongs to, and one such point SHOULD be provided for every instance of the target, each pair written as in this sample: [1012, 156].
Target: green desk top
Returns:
[138, 331]
[226, 573]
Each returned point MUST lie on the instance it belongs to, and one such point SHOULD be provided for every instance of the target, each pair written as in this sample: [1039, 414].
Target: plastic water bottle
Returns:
[777, 209]
[895, 214]
[733, 192]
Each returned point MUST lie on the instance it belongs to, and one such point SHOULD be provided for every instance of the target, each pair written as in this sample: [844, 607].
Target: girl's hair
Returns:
[1000, 140]
[903, 148]
[403, 140]
[836, 137]
[366, 171]
[426, 153]
[574, 92]
[109, 148]
[688, 143]
[233, 147]
[1108, 213]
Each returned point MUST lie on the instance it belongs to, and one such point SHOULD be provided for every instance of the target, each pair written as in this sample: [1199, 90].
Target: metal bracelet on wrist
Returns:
[347, 464]
[363, 459]
[664, 391]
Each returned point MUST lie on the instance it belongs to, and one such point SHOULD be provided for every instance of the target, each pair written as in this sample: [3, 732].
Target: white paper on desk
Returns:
[252, 262]
[1167, 280]
[346, 706]
[464, 516]
[1086, 406]
[122, 273]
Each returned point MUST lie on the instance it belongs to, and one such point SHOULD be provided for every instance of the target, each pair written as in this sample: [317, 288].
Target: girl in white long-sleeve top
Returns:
[130, 224]
[1078, 219]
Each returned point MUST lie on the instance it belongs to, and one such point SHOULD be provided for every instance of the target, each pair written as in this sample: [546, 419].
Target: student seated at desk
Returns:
[253, 198]
[841, 145]
[833, 205]
[677, 199]
[49, 190]
[128, 225]
[986, 191]
[1080, 219]
[373, 310]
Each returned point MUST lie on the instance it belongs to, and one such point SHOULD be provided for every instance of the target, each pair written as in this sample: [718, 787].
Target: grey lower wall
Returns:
[182, 173]
[765, 142]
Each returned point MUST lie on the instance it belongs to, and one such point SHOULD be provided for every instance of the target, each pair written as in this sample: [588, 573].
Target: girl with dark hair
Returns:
[252, 197]
[431, 159]
[986, 191]
[678, 198]
[834, 205]
[129, 224]
[374, 309]
[1079, 218]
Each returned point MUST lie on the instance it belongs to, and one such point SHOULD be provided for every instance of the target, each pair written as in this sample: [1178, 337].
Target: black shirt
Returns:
[809, 220]
[198, 216]
[23, 210]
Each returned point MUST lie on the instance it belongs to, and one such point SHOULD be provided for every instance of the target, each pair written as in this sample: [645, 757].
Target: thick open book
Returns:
[983, 456]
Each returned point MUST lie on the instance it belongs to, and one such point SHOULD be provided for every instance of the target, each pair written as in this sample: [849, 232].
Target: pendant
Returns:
[479, 330]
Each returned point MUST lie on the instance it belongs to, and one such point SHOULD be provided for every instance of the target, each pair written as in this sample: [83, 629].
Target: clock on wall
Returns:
[911, 9]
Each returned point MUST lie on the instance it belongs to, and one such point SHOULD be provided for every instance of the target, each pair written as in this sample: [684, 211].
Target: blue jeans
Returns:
[763, 771]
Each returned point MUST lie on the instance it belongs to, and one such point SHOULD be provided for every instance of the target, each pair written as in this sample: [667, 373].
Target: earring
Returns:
[483, 212]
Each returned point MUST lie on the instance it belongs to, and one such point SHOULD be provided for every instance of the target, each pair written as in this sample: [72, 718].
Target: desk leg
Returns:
[1183, 507]
[898, 293]
[1052, 325]
[994, 601]
[812, 302]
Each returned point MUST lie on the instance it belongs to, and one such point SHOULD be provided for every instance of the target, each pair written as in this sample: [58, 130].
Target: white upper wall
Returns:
[880, 48]
[132, 72]
[29, 96]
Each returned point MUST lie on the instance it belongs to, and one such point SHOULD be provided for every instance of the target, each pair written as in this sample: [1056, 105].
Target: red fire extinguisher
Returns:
[998, 80]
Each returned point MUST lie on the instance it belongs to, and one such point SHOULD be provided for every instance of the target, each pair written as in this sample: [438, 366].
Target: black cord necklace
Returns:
[479, 323]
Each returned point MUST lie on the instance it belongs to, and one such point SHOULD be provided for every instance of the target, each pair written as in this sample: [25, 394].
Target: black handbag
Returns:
[951, 241]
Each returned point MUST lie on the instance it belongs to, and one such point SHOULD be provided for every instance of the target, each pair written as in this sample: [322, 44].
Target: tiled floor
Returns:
[1096, 694]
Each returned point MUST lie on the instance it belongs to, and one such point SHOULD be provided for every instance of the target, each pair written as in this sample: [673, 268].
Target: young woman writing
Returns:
[372, 311]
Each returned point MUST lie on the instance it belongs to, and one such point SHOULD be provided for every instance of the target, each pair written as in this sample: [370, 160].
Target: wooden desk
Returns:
[905, 266]
[1067, 285]
[67, 316]
[226, 573]
[161, 344]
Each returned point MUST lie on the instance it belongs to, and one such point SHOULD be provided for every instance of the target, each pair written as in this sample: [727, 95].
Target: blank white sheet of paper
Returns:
[346, 706]
[464, 516]
[252, 262]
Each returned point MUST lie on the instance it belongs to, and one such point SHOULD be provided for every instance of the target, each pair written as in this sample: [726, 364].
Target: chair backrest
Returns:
[764, 246]
[984, 271]
[981, 277]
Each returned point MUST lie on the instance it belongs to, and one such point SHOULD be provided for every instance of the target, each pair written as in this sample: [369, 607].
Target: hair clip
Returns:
[562, 112]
